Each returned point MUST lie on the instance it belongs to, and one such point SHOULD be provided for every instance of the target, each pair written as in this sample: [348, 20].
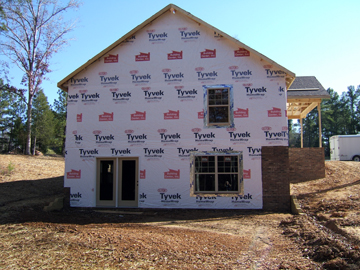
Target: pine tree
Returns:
[43, 122]
[60, 111]
[11, 108]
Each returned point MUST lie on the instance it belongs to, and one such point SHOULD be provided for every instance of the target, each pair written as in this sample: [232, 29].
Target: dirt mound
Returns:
[324, 244]
[339, 174]
[330, 230]
[32, 182]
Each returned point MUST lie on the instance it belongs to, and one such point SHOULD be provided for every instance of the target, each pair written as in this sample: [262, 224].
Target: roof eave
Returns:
[307, 97]
[109, 48]
[290, 76]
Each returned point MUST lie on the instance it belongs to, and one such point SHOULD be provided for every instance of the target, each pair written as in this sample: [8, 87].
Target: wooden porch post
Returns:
[319, 113]
[302, 139]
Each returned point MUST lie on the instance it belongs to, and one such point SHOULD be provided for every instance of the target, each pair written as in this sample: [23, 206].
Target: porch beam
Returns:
[305, 112]
[319, 113]
[302, 139]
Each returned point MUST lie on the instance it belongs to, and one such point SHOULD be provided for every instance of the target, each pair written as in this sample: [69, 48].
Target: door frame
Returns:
[103, 203]
[120, 202]
[116, 201]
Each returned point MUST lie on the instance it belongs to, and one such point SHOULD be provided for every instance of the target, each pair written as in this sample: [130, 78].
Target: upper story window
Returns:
[218, 106]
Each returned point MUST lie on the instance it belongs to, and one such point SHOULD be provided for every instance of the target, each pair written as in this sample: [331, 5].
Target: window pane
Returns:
[106, 180]
[227, 164]
[205, 164]
[204, 182]
[212, 99]
[218, 96]
[228, 182]
[218, 115]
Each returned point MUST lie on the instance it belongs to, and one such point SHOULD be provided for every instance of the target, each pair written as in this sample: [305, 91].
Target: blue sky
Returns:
[308, 37]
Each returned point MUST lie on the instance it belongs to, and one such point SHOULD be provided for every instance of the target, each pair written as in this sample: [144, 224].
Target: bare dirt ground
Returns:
[326, 237]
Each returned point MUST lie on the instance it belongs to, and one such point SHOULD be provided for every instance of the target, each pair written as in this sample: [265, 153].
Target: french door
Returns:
[117, 182]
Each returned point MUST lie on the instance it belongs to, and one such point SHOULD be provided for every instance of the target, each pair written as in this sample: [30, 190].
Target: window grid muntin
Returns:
[234, 161]
[218, 98]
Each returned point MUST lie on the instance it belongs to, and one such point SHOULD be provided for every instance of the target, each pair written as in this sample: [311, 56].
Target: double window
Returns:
[217, 174]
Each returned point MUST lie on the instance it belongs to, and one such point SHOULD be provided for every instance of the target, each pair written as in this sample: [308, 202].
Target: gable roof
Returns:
[307, 87]
[304, 95]
[290, 76]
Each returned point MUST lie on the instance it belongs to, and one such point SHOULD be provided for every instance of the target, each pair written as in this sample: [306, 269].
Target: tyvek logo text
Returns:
[206, 200]
[203, 76]
[239, 136]
[109, 80]
[153, 152]
[242, 198]
[135, 138]
[140, 78]
[104, 139]
[254, 153]
[240, 74]
[88, 153]
[187, 35]
[120, 152]
[79, 82]
[185, 152]
[173, 198]
[166, 138]
[157, 37]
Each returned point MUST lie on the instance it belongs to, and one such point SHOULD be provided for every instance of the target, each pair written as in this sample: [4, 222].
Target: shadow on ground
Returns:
[23, 201]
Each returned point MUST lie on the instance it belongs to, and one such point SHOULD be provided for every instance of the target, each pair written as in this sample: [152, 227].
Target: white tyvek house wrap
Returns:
[140, 99]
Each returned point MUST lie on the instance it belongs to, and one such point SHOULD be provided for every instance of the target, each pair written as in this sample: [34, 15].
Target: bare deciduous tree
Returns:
[34, 31]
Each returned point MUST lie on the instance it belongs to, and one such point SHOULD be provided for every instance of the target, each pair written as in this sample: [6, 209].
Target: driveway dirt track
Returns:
[171, 239]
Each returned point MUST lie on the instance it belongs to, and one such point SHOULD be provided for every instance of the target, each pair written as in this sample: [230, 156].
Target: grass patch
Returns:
[8, 169]
[50, 152]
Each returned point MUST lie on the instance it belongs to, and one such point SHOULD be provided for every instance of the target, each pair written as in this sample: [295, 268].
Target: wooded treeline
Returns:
[340, 115]
[31, 31]
[48, 123]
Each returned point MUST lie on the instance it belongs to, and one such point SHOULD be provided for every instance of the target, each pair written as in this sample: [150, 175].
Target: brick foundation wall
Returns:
[275, 178]
[306, 164]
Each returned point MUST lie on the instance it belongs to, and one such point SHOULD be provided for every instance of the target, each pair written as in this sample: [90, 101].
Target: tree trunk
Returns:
[28, 126]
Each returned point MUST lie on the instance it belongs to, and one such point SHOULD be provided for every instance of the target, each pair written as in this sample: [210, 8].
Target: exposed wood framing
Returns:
[302, 136]
[299, 109]
[320, 135]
